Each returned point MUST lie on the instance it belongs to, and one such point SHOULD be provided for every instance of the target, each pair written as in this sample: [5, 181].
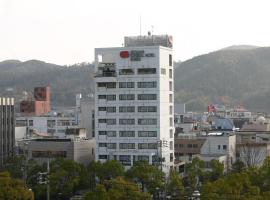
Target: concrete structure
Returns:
[7, 129]
[41, 103]
[85, 115]
[187, 146]
[81, 151]
[134, 101]
[220, 146]
[51, 125]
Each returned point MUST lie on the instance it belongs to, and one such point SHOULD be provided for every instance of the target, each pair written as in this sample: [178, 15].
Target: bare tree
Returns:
[252, 154]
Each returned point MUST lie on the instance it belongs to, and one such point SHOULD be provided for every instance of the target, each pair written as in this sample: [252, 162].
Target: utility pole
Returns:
[48, 183]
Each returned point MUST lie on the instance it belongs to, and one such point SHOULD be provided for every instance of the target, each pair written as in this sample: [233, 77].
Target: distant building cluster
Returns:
[132, 117]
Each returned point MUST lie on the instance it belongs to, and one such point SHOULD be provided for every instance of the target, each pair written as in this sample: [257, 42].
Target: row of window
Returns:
[128, 133]
[149, 121]
[187, 145]
[150, 84]
[142, 71]
[128, 109]
[124, 97]
[128, 145]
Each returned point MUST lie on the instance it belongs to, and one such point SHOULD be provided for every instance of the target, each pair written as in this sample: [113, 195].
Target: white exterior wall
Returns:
[40, 124]
[161, 60]
[213, 147]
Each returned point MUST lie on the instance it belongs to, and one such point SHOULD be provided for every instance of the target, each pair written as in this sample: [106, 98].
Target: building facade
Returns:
[7, 129]
[134, 101]
[47, 125]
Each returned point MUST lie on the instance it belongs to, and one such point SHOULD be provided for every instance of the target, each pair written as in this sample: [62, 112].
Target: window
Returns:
[171, 145]
[195, 145]
[170, 86]
[102, 133]
[127, 121]
[126, 133]
[171, 133]
[102, 96]
[126, 97]
[147, 134]
[102, 156]
[111, 109]
[125, 160]
[170, 60]
[224, 147]
[171, 110]
[143, 158]
[171, 121]
[147, 97]
[101, 108]
[111, 97]
[171, 157]
[127, 109]
[170, 98]
[146, 71]
[147, 121]
[101, 121]
[189, 146]
[163, 71]
[111, 133]
[152, 145]
[126, 85]
[102, 84]
[107, 85]
[142, 146]
[127, 146]
[126, 72]
[102, 144]
[147, 109]
[218, 147]
[111, 145]
[111, 121]
[152, 84]
[170, 73]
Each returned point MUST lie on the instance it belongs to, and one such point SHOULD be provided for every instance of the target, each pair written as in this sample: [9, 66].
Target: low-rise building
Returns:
[42, 149]
[220, 146]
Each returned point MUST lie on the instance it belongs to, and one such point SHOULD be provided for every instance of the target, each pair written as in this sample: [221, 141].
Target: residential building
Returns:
[7, 129]
[220, 146]
[134, 98]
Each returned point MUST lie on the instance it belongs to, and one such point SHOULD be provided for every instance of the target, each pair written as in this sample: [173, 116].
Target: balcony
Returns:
[106, 70]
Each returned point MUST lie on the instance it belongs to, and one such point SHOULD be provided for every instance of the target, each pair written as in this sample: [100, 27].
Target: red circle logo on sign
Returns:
[124, 54]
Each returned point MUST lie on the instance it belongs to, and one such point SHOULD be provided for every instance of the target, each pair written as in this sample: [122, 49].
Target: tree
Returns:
[109, 170]
[117, 189]
[64, 177]
[99, 193]
[238, 166]
[252, 154]
[147, 175]
[175, 186]
[194, 171]
[217, 170]
[13, 189]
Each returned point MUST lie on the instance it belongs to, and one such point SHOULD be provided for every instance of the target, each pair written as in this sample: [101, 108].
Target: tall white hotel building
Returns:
[134, 99]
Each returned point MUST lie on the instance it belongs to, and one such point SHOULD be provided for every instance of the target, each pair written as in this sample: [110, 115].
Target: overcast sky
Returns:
[67, 31]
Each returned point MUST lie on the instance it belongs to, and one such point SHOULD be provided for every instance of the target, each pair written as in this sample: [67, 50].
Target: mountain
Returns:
[65, 81]
[234, 76]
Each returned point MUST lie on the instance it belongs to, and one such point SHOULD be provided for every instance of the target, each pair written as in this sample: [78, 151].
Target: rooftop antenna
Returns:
[152, 29]
[140, 25]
